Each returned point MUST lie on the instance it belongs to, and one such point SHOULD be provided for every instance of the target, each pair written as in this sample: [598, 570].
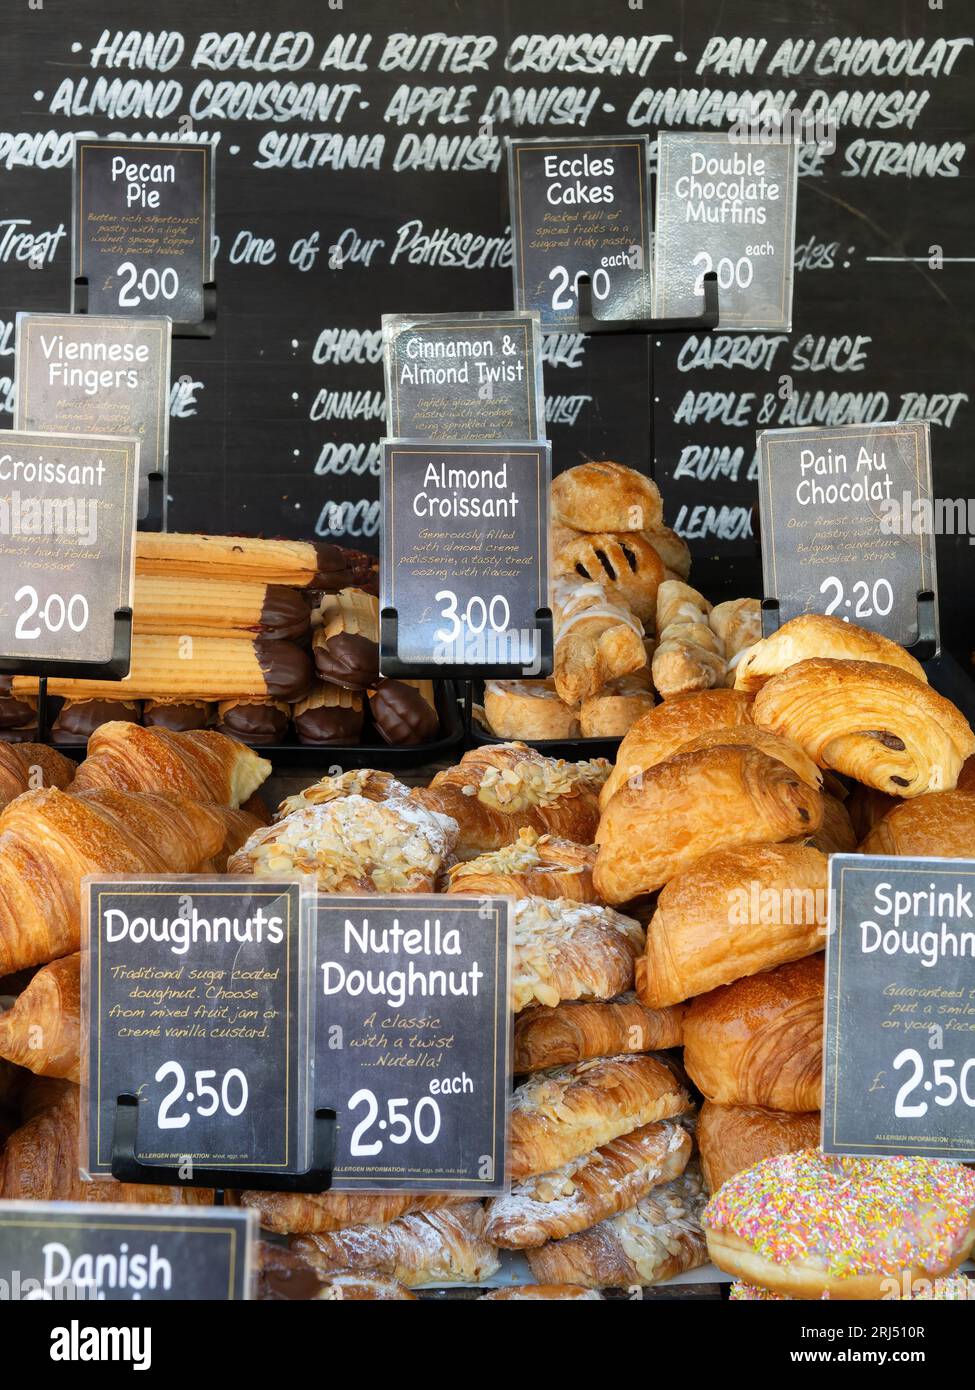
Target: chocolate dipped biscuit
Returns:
[329, 715]
[178, 716]
[403, 711]
[346, 642]
[254, 721]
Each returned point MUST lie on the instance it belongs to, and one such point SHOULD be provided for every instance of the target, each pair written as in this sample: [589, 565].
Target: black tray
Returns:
[346, 756]
[574, 749]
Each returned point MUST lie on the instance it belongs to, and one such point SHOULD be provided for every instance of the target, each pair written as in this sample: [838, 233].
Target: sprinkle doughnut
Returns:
[954, 1287]
[810, 1224]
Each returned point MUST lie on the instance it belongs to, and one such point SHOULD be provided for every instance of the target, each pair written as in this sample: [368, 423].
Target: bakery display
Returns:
[606, 496]
[528, 710]
[626, 566]
[597, 639]
[312, 1213]
[198, 765]
[42, 1029]
[27, 766]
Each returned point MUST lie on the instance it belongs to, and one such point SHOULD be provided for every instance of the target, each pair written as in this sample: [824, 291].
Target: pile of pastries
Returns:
[255, 638]
[627, 625]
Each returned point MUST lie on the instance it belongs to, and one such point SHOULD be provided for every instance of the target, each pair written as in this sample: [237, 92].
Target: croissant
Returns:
[199, 765]
[664, 730]
[43, 1029]
[816, 635]
[940, 825]
[49, 841]
[238, 827]
[535, 866]
[784, 750]
[836, 834]
[497, 789]
[568, 950]
[733, 913]
[40, 1164]
[875, 723]
[27, 766]
[731, 1138]
[692, 804]
[672, 549]
[447, 1246]
[294, 1213]
[596, 639]
[576, 1030]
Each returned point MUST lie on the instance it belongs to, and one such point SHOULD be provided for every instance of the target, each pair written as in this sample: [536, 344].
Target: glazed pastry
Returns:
[559, 1114]
[447, 1246]
[626, 565]
[178, 716]
[299, 564]
[368, 782]
[673, 550]
[312, 1213]
[731, 1138]
[739, 625]
[352, 845]
[835, 835]
[732, 913]
[588, 1189]
[528, 710]
[874, 723]
[569, 950]
[656, 1239]
[750, 735]
[346, 643]
[759, 1041]
[201, 766]
[254, 721]
[615, 709]
[815, 1225]
[49, 841]
[77, 720]
[535, 866]
[606, 496]
[575, 1031]
[42, 1031]
[940, 825]
[596, 640]
[692, 804]
[496, 790]
[664, 730]
[404, 712]
[815, 635]
[214, 668]
[329, 715]
[26, 766]
[215, 606]
[539, 1293]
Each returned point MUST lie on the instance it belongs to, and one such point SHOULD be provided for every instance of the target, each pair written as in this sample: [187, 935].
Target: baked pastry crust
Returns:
[200, 765]
[731, 1138]
[27, 766]
[732, 913]
[615, 709]
[446, 1246]
[368, 782]
[836, 834]
[658, 1238]
[816, 635]
[874, 723]
[528, 709]
[590, 1188]
[570, 950]
[535, 866]
[576, 1030]
[559, 1114]
[664, 730]
[606, 496]
[625, 564]
[692, 804]
[940, 825]
[596, 639]
[495, 790]
[313, 1213]
[672, 549]
[42, 1030]
[759, 1041]
[784, 750]
[738, 622]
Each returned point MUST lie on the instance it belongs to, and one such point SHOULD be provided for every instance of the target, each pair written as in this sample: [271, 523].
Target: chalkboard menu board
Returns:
[360, 171]
[196, 991]
[413, 1048]
[899, 1064]
[116, 1253]
[848, 524]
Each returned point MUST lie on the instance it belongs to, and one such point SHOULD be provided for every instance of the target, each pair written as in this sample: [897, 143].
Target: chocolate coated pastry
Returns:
[286, 614]
[177, 715]
[402, 714]
[333, 571]
[254, 721]
[286, 668]
[78, 719]
[15, 713]
[329, 716]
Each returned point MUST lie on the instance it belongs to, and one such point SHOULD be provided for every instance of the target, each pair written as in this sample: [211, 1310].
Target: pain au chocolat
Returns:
[940, 825]
[816, 635]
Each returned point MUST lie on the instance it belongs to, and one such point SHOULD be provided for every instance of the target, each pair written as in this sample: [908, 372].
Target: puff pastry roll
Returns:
[738, 623]
[625, 564]
[606, 496]
[689, 655]
[569, 950]
[664, 730]
[496, 790]
[731, 1138]
[875, 723]
[692, 804]
[528, 709]
[199, 765]
[27, 766]
[535, 866]
[596, 639]
[733, 913]
[42, 1030]
[559, 1114]
[672, 549]
[654, 1240]
[816, 635]
[313, 1213]
[368, 782]
[539, 1293]
[577, 1030]
[940, 825]
[590, 1188]
[447, 1246]
[759, 1041]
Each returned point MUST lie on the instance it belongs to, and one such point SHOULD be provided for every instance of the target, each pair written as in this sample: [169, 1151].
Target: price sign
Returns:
[82, 375]
[463, 376]
[115, 1253]
[726, 203]
[67, 522]
[848, 523]
[465, 557]
[196, 1002]
[899, 1065]
[143, 226]
[580, 207]
[413, 1041]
